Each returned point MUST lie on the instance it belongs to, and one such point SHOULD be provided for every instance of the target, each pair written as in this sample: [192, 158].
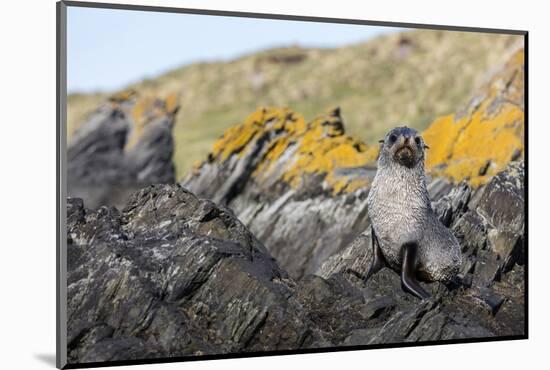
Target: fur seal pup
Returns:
[406, 234]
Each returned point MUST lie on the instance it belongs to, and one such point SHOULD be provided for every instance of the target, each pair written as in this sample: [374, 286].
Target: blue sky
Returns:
[108, 49]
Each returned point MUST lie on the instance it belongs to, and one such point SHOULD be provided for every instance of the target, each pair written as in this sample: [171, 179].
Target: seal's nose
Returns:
[407, 139]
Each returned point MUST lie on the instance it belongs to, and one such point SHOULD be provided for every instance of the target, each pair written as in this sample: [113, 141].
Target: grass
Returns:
[378, 84]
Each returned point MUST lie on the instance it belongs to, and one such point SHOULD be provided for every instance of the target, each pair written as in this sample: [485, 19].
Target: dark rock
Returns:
[151, 158]
[356, 257]
[104, 133]
[302, 234]
[378, 307]
[508, 246]
[438, 187]
[480, 306]
[173, 275]
[334, 306]
[401, 325]
[489, 299]
[487, 269]
[359, 337]
[96, 171]
[75, 211]
[115, 153]
[299, 215]
[471, 229]
[510, 319]
[502, 203]
[467, 280]
[452, 205]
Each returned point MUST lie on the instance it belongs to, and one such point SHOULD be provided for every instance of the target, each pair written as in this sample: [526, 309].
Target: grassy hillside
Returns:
[410, 77]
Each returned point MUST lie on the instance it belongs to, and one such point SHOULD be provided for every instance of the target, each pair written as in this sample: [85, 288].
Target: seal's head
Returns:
[403, 146]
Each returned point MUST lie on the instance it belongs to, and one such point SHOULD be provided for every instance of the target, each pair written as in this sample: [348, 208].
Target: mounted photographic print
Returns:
[234, 184]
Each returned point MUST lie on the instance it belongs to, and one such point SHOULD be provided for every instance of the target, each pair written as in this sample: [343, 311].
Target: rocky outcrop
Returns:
[301, 187]
[294, 184]
[124, 145]
[480, 140]
[175, 275]
[412, 76]
[490, 232]
[260, 247]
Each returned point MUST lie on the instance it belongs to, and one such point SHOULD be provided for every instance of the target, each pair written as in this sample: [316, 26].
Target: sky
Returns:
[108, 49]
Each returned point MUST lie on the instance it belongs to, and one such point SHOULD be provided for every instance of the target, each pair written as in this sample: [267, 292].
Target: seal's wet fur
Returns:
[403, 222]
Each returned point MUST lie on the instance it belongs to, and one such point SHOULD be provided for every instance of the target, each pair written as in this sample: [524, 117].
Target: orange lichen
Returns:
[123, 96]
[295, 149]
[479, 144]
[145, 110]
[172, 103]
[471, 146]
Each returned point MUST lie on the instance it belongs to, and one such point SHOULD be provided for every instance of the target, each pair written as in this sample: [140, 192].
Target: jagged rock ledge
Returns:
[263, 264]
[301, 187]
[287, 181]
[172, 275]
[175, 275]
[123, 145]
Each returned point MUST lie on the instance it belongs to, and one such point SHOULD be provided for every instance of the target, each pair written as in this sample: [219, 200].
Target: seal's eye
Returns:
[417, 140]
[393, 138]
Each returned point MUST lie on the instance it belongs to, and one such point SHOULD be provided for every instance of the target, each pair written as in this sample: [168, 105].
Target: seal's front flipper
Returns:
[378, 260]
[408, 272]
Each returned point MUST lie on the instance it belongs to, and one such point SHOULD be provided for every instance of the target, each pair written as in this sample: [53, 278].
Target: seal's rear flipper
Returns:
[378, 260]
[408, 272]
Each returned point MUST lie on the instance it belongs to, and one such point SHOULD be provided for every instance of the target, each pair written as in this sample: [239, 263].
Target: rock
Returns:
[510, 319]
[452, 205]
[438, 187]
[359, 337]
[263, 246]
[356, 257]
[124, 145]
[96, 170]
[470, 310]
[334, 306]
[291, 181]
[150, 159]
[503, 200]
[172, 275]
[401, 325]
[487, 268]
[471, 229]
[379, 307]
[300, 188]
[175, 275]
[479, 141]
[490, 300]
[502, 205]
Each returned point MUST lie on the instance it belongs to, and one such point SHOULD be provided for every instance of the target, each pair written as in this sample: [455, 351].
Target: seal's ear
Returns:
[381, 141]
[426, 147]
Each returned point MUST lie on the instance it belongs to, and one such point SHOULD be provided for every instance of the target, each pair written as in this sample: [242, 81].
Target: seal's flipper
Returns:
[378, 260]
[408, 272]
